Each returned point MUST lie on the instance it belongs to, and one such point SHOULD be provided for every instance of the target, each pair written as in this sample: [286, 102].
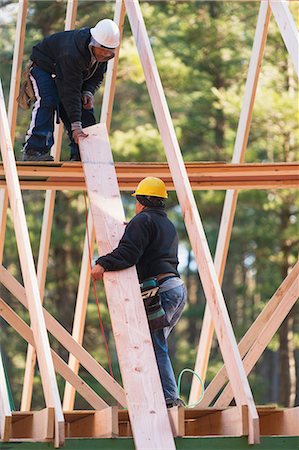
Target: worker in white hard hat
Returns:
[66, 69]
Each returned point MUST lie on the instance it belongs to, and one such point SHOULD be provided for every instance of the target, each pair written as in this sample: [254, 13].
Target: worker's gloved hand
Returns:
[77, 132]
[87, 100]
[97, 272]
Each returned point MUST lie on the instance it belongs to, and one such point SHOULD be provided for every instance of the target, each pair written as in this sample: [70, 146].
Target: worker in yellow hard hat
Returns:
[150, 242]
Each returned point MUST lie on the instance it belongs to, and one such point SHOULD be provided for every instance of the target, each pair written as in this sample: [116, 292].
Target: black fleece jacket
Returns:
[66, 54]
[150, 242]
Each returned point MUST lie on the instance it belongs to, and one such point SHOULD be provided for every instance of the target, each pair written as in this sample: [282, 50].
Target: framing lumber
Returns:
[251, 335]
[13, 106]
[95, 424]
[84, 280]
[146, 404]
[202, 176]
[288, 30]
[263, 339]
[61, 367]
[193, 224]
[60, 333]
[46, 367]
[35, 425]
[5, 411]
[229, 208]
[44, 245]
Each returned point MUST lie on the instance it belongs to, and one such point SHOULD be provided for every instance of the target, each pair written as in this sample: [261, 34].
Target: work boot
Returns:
[171, 402]
[35, 155]
[75, 158]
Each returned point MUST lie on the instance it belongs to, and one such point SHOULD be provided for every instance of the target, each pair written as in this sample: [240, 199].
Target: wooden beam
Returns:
[13, 106]
[146, 403]
[35, 425]
[193, 223]
[250, 336]
[206, 337]
[46, 367]
[5, 411]
[44, 245]
[202, 176]
[288, 29]
[94, 424]
[110, 79]
[283, 422]
[264, 338]
[84, 279]
[61, 367]
[60, 333]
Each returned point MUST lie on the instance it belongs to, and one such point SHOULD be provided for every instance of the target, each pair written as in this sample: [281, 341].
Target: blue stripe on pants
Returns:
[39, 136]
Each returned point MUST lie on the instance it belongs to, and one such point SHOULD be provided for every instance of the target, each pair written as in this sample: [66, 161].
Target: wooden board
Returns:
[146, 404]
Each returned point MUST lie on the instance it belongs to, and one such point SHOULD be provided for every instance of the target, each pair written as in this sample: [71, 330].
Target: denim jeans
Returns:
[39, 136]
[173, 302]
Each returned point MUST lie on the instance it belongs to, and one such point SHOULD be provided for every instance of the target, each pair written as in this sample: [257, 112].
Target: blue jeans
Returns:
[173, 302]
[39, 136]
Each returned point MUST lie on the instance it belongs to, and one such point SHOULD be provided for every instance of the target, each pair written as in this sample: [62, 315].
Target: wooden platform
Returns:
[207, 175]
[113, 422]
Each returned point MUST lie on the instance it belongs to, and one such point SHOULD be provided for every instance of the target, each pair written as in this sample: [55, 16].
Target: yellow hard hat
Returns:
[152, 187]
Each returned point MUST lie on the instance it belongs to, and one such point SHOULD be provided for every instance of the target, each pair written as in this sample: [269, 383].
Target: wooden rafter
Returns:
[193, 224]
[229, 208]
[251, 338]
[44, 245]
[84, 279]
[60, 333]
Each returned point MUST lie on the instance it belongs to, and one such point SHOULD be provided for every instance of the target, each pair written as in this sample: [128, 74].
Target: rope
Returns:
[199, 379]
[96, 295]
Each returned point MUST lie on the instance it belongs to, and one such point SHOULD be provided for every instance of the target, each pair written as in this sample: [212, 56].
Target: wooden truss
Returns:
[152, 426]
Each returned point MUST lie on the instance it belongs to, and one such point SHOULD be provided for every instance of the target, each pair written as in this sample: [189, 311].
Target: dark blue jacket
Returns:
[150, 242]
[66, 54]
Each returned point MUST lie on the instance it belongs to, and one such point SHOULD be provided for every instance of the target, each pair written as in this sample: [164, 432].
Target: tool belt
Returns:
[27, 95]
[156, 315]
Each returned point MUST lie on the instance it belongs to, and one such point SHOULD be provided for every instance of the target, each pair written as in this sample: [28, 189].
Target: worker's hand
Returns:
[78, 133]
[87, 100]
[97, 272]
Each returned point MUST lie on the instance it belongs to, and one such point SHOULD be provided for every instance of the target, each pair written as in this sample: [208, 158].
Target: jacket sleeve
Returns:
[131, 247]
[94, 82]
[69, 81]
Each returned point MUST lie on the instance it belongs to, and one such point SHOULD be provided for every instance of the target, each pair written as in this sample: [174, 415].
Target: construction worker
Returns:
[66, 68]
[150, 242]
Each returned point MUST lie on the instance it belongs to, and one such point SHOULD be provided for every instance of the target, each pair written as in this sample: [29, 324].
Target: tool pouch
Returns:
[27, 95]
[156, 315]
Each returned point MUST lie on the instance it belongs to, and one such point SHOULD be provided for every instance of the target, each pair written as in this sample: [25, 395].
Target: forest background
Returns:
[202, 49]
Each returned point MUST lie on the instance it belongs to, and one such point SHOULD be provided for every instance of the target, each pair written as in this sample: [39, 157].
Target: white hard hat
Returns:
[106, 33]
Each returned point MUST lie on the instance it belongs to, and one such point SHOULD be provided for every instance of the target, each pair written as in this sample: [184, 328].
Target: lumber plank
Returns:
[250, 336]
[60, 333]
[95, 424]
[62, 368]
[288, 29]
[265, 336]
[229, 208]
[146, 404]
[193, 222]
[44, 245]
[46, 367]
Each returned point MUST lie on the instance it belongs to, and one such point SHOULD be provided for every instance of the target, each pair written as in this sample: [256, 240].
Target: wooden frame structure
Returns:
[147, 418]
